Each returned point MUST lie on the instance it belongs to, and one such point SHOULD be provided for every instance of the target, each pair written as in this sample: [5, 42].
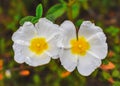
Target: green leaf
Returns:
[117, 83]
[56, 11]
[27, 18]
[39, 11]
[34, 20]
[79, 22]
[106, 75]
[113, 30]
[11, 26]
[75, 10]
[105, 61]
[36, 79]
[115, 73]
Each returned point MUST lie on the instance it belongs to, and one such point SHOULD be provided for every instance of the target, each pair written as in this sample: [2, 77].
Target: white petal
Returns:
[46, 28]
[53, 49]
[24, 34]
[37, 60]
[98, 46]
[18, 57]
[21, 52]
[87, 64]
[88, 29]
[68, 60]
[68, 33]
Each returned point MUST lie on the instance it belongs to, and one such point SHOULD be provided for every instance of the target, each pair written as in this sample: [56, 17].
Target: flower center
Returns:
[79, 46]
[38, 45]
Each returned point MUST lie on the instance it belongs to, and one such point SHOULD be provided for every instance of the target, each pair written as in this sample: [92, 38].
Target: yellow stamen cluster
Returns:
[38, 45]
[80, 46]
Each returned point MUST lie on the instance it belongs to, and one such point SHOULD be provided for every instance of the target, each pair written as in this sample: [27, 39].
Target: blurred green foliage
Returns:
[104, 13]
[33, 19]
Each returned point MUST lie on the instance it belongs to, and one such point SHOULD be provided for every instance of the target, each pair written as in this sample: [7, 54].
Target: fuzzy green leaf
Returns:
[39, 11]
[105, 61]
[115, 73]
[27, 18]
[79, 22]
[106, 75]
[34, 20]
[116, 83]
[36, 79]
[75, 10]
[56, 11]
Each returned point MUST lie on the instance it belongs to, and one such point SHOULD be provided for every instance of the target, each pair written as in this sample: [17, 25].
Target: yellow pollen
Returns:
[38, 45]
[80, 46]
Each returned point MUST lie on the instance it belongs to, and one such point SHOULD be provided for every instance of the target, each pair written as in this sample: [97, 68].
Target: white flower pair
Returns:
[35, 45]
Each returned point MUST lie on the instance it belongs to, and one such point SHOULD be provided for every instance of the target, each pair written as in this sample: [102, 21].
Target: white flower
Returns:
[35, 45]
[84, 50]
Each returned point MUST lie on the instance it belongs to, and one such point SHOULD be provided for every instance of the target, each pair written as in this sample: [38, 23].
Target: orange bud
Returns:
[108, 66]
[1, 64]
[65, 74]
[1, 76]
[24, 72]
[111, 80]
[111, 53]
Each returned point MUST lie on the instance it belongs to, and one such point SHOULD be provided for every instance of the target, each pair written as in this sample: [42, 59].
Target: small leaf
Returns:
[79, 22]
[106, 75]
[115, 73]
[34, 20]
[51, 17]
[39, 11]
[11, 26]
[113, 30]
[56, 11]
[27, 18]
[75, 10]
[116, 83]
[105, 61]
[36, 79]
